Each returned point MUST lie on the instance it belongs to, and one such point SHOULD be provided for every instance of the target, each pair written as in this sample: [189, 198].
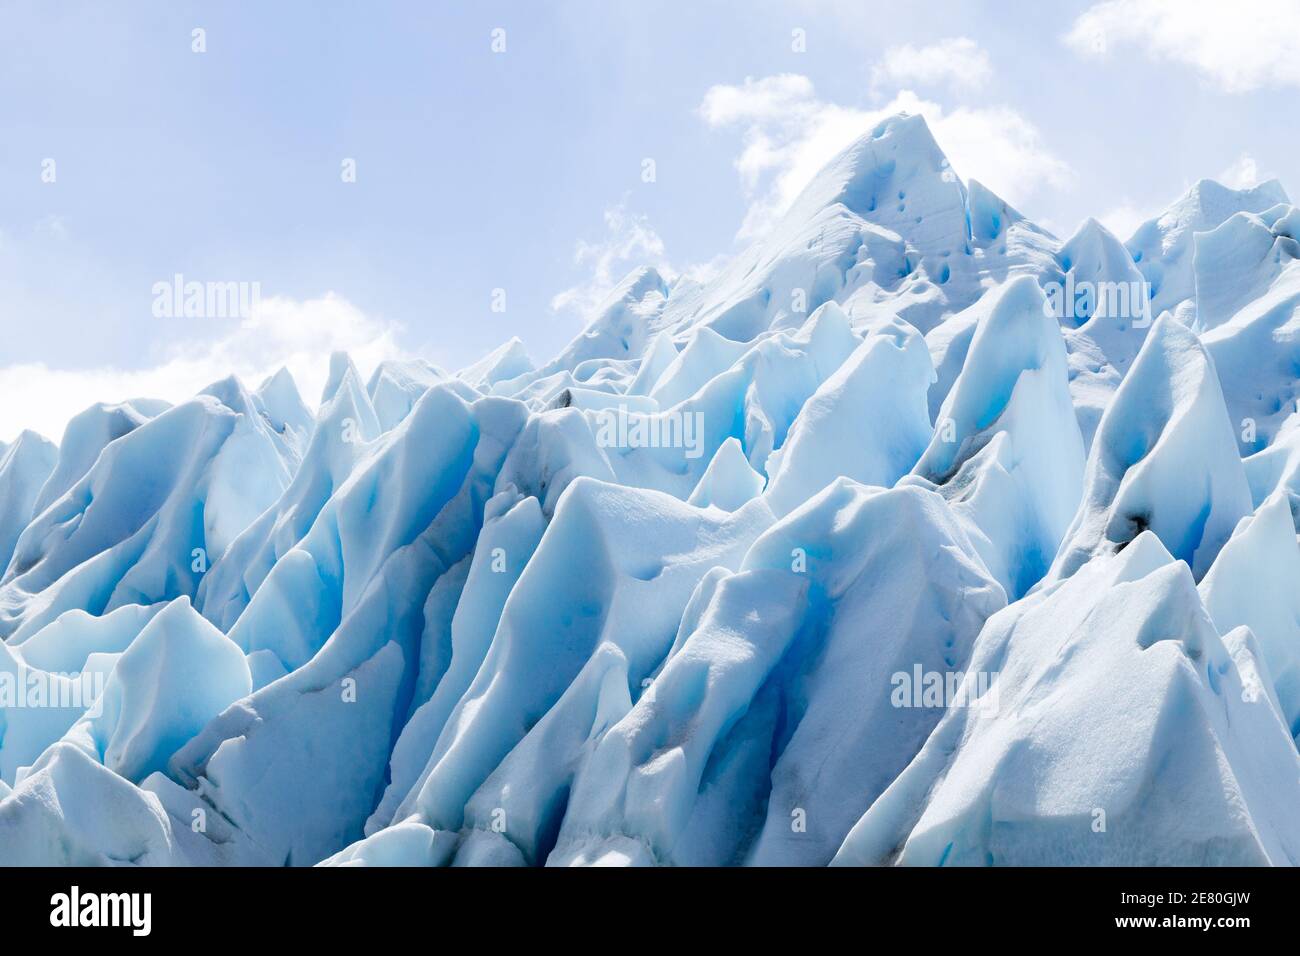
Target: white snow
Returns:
[1164, 457]
[882, 545]
[1118, 729]
[1007, 452]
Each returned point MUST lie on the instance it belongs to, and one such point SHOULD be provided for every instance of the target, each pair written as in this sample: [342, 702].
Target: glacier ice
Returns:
[1121, 729]
[26, 467]
[1008, 453]
[1164, 457]
[868, 421]
[915, 535]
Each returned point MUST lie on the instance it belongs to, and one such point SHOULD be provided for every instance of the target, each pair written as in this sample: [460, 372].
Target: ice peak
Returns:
[1007, 452]
[1014, 336]
[874, 175]
[284, 403]
[635, 286]
[1091, 235]
[622, 327]
[505, 362]
[340, 366]
[1164, 457]
[230, 391]
[1214, 199]
[1205, 205]
[280, 387]
[26, 438]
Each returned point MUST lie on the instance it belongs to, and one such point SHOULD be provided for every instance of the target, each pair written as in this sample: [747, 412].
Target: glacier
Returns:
[916, 535]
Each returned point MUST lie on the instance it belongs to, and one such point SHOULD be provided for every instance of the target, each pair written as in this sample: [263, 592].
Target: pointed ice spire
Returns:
[179, 673]
[729, 481]
[86, 435]
[1237, 262]
[1014, 336]
[1163, 247]
[505, 362]
[230, 391]
[1257, 352]
[1007, 450]
[1164, 457]
[24, 467]
[658, 357]
[894, 176]
[1253, 582]
[340, 364]
[396, 385]
[705, 355]
[1276, 468]
[1103, 302]
[1094, 262]
[288, 443]
[344, 427]
[829, 338]
[868, 421]
[623, 324]
[1113, 690]
[284, 405]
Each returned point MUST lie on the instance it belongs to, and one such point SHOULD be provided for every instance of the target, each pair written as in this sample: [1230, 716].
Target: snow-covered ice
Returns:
[916, 535]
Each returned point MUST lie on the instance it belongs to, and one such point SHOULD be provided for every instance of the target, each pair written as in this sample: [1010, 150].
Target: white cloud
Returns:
[281, 332]
[790, 135]
[1242, 174]
[956, 61]
[771, 98]
[1123, 220]
[1241, 46]
[629, 242]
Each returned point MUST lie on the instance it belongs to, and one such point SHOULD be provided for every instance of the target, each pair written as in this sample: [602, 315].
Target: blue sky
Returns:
[523, 170]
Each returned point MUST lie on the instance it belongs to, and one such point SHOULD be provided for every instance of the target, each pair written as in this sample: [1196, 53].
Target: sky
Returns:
[428, 179]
